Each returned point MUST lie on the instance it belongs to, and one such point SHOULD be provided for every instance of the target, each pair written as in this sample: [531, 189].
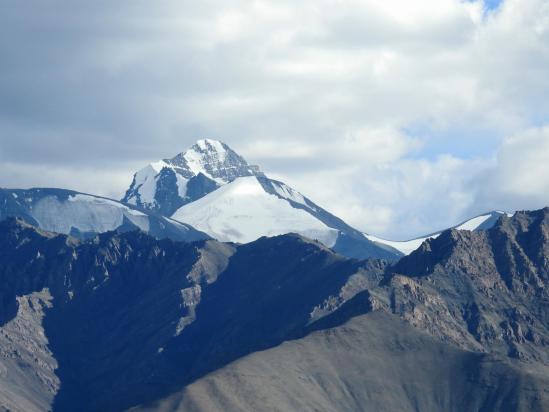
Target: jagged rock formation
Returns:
[132, 318]
[168, 184]
[115, 302]
[485, 290]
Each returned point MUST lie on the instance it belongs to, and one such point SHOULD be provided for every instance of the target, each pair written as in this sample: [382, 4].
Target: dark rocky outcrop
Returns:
[485, 290]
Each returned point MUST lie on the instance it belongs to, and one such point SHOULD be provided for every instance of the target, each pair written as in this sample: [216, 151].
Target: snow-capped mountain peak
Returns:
[212, 187]
[213, 159]
[166, 185]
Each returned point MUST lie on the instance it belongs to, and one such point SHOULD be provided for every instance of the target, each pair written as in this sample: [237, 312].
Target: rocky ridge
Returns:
[125, 320]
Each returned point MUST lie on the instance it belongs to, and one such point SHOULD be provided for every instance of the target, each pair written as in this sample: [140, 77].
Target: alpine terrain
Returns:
[274, 206]
[215, 190]
[82, 215]
[125, 321]
[211, 287]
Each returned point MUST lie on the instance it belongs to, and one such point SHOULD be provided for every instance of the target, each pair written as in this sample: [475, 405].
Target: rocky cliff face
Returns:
[113, 303]
[485, 290]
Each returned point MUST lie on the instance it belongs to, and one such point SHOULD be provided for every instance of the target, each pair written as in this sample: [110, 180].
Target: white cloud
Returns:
[361, 104]
[520, 176]
[86, 180]
[398, 199]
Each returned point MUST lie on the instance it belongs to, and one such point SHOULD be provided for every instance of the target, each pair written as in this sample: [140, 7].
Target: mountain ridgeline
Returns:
[208, 191]
[212, 287]
[124, 320]
[215, 190]
[83, 216]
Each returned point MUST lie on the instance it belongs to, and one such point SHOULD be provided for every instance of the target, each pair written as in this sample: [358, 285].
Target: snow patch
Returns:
[290, 194]
[159, 165]
[181, 185]
[175, 222]
[196, 160]
[404, 246]
[208, 144]
[145, 182]
[473, 223]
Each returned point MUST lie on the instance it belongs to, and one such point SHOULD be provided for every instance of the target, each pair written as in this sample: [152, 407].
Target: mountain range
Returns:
[214, 189]
[282, 323]
[208, 191]
[212, 287]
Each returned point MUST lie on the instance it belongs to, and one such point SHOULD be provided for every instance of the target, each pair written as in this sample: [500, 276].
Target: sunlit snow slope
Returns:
[83, 215]
[242, 211]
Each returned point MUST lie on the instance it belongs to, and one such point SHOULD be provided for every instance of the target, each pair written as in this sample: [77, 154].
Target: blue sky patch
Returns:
[492, 4]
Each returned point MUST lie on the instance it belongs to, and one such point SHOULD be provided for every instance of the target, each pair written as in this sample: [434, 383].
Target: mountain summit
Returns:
[215, 190]
[166, 185]
[213, 159]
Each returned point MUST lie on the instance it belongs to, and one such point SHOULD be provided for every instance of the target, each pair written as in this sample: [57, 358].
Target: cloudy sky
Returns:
[401, 117]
